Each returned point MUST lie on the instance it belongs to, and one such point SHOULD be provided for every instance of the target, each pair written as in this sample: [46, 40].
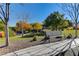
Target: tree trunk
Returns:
[22, 32]
[6, 34]
[6, 23]
[76, 30]
[56, 28]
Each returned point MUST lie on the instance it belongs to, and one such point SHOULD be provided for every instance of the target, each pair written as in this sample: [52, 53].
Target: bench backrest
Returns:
[54, 33]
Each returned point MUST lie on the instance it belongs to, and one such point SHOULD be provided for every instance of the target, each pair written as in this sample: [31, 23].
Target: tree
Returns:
[64, 24]
[37, 26]
[23, 16]
[73, 11]
[28, 26]
[23, 25]
[4, 16]
[56, 21]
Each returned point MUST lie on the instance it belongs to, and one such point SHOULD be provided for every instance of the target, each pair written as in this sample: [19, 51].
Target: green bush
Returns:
[11, 33]
[34, 38]
[67, 32]
[40, 34]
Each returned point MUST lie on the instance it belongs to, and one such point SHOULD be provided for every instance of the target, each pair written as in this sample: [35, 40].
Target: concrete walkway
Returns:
[44, 49]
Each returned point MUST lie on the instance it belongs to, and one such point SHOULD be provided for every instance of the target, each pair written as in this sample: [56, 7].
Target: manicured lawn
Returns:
[29, 36]
[2, 41]
[18, 38]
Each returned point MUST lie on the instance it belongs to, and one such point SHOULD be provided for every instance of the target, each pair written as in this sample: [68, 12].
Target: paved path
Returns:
[44, 49]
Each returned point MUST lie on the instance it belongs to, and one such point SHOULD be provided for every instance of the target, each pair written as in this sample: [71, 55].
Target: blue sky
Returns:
[37, 12]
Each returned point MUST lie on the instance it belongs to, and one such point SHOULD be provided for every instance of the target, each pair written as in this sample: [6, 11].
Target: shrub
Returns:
[11, 33]
[34, 38]
[67, 32]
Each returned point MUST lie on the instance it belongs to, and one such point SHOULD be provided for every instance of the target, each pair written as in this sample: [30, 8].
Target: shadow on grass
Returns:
[3, 46]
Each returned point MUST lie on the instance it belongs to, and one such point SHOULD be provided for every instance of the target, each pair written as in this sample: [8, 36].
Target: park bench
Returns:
[54, 35]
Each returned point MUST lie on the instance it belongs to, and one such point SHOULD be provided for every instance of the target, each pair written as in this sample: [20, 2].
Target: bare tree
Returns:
[72, 10]
[4, 16]
[23, 16]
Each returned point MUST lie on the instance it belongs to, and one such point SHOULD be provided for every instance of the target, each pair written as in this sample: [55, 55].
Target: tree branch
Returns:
[3, 13]
[2, 20]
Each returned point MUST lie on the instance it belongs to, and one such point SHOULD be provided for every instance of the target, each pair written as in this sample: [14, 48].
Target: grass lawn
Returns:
[30, 37]
[2, 41]
[18, 38]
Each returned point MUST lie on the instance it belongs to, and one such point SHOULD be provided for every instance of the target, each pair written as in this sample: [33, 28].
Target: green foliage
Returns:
[34, 38]
[32, 35]
[11, 32]
[28, 35]
[56, 21]
[64, 24]
[37, 26]
[1, 26]
[67, 32]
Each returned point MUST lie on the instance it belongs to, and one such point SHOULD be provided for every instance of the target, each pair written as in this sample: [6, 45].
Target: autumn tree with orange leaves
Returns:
[23, 25]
